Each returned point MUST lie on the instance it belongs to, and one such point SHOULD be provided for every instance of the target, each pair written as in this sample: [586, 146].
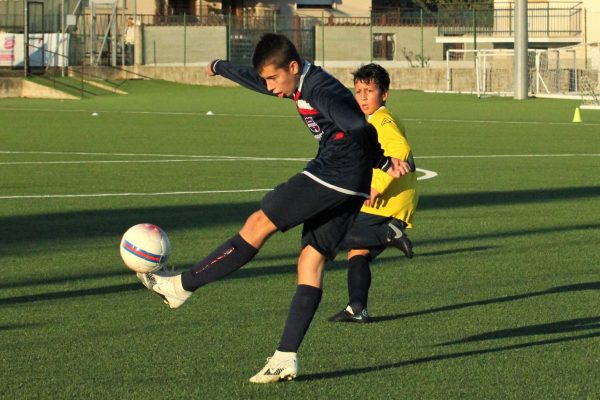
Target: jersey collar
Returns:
[376, 111]
[305, 69]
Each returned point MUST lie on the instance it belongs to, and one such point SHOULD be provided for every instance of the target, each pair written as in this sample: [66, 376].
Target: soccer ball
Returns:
[145, 248]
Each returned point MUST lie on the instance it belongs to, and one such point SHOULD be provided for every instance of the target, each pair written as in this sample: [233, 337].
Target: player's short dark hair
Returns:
[373, 73]
[276, 49]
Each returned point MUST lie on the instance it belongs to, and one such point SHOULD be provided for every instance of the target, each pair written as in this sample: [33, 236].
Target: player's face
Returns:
[283, 82]
[369, 96]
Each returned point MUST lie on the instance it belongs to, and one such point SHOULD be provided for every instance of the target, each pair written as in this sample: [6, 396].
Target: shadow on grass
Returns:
[10, 327]
[536, 196]
[559, 289]
[243, 273]
[27, 229]
[572, 325]
[452, 356]
[87, 276]
[455, 251]
[66, 294]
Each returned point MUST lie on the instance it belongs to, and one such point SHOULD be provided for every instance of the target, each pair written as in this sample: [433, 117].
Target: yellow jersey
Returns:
[398, 197]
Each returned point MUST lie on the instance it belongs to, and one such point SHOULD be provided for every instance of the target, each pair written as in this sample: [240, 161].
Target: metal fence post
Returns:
[474, 28]
[323, 39]
[25, 37]
[184, 39]
[422, 40]
[228, 33]
[371, 37]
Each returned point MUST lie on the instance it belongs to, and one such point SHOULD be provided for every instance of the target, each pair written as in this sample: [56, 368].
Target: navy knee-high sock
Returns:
[359, 282]
[302, 310]
[225, 259]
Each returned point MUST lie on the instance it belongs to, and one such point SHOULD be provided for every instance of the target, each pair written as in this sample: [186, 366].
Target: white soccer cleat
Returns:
[166, 286]
[281, 367]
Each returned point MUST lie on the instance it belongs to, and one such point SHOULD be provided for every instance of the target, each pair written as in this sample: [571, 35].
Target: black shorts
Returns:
[366, 233]
[327, 214]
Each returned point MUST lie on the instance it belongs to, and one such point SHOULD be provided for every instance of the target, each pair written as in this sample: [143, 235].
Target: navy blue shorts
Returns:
[327, 214]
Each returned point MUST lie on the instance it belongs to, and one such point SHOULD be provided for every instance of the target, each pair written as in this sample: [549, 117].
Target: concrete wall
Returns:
[164, 45]
[401, 78]
[18, 87]
[343, 43]
[176, 45]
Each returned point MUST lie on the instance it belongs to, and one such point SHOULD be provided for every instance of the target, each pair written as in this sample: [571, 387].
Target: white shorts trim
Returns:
[336, 188]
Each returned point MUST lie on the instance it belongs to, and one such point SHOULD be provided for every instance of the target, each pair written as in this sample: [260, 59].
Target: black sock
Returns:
[359, 282]
[302, 310]
[227, 258]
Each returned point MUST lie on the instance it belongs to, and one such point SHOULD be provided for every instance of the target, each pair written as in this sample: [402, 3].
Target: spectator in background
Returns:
[129, 41]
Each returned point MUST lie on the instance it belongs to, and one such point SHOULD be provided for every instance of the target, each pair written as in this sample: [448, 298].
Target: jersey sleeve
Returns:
[243, 75]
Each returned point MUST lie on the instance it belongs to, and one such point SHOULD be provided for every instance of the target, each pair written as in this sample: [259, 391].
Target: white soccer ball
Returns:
[145, 248]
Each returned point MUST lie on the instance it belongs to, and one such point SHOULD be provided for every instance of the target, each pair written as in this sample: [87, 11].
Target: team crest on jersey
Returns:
[386, 120]
[312, 125]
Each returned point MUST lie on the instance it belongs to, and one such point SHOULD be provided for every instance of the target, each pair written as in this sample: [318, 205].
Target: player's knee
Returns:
[259, 222]
[360, 252]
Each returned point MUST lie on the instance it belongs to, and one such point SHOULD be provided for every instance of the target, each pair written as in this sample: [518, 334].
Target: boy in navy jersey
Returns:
[325, 197]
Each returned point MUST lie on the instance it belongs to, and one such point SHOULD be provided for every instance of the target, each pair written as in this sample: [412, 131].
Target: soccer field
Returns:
[500, 302]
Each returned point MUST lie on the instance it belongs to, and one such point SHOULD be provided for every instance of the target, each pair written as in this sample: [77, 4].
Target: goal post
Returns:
[485, 72]
[570, 72]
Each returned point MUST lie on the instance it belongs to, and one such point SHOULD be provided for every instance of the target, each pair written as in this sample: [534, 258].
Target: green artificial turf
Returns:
[500, 301]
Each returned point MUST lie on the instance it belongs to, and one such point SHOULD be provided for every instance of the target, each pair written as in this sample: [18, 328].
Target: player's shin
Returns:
[302, 310]
[359, 282]
[225, 259]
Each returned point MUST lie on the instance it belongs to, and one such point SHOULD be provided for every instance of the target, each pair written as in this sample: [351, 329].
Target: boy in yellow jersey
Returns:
[384, 216]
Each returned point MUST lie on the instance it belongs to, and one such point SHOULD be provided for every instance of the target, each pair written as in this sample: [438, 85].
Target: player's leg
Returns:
[359, 282]
[275, 214]
[230, 256]
[378, 231]
[283, 365]
[320, 238]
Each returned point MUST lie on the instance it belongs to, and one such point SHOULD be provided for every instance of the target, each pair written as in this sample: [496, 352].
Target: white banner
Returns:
[45, 50]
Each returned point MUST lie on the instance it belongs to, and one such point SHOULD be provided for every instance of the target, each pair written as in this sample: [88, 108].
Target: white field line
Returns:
[63, 196]
[191, 157]
[228, 115]
[512, 156]
[427, 174]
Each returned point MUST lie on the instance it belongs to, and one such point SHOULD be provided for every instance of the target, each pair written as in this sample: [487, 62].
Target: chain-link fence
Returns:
[105, 34]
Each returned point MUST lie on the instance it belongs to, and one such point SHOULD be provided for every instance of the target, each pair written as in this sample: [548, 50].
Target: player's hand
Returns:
[209, 70]
[398, 168]
[370, 202]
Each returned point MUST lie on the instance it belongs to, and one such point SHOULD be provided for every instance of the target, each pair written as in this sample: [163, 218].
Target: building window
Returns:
[383, 46]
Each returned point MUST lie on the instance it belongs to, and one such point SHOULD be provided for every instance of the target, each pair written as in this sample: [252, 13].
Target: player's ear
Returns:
[294, 67]
[384, 96]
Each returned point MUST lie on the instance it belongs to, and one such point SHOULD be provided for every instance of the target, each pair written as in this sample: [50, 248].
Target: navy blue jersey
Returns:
[348, 146]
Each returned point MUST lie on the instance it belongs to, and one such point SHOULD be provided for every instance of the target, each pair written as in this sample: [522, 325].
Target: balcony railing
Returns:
[563, 20]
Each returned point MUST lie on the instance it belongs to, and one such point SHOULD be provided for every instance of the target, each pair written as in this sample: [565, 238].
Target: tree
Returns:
[429, 5]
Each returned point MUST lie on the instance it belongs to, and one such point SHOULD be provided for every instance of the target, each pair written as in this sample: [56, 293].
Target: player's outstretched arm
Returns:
[243, 75]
